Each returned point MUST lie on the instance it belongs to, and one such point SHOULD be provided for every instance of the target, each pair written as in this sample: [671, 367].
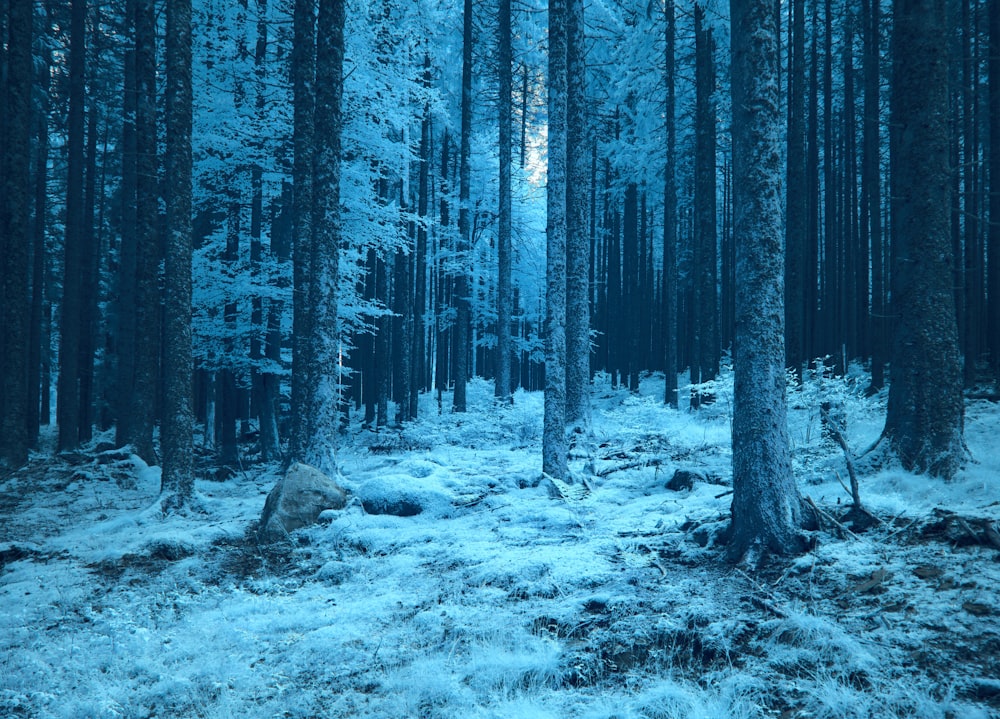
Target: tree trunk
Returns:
[993, 280]
[577, 239]
[178, 420]
[925, 412]
[15, 226]
[871, 192]
[705, 366]
[505, 309]
[669, 298]
[767, 510]
[324, 391]
[554, 433]
[68, 408]
[461, 296]
[795, 194]
[303, 137]
[146, 332]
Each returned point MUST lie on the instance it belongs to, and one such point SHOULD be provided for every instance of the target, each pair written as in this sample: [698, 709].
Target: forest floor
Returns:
[506, 597]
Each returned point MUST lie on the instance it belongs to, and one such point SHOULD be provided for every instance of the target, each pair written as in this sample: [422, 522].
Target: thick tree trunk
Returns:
[324, 392]
[15, 229]
[577, 239]
[178, 421]
[767, 509]
[303, 137]
[554, 433]
[925, 412]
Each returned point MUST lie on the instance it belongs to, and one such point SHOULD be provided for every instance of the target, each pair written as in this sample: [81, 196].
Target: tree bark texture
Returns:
[767, 509]
[178, 418]
[303, 137]
[324, 407]
[505, 305]
[554, 422]
[925, 412]
[669, 299]
[462, 289]
[15, 229]
[577, 239]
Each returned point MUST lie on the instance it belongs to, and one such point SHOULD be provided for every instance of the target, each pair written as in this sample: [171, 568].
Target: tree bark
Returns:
[925, 412]
[795, 206]
[554, 421]
[669, 299]
[577, 239]
[176, 436]
[68, 407]
[461, 296]
[15, 226]
[993, 281]
[324, 391]
[767, 509]
[303, 138]
[505, 308]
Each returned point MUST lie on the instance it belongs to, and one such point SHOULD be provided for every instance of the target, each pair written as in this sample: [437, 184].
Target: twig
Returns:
[832, 520]
[838, 437]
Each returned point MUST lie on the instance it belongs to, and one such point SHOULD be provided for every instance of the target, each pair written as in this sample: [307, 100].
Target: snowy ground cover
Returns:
[505, 597]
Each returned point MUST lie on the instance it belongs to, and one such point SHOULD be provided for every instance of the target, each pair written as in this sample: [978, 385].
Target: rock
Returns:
[297, 501]
[396, 506]
[685, 479]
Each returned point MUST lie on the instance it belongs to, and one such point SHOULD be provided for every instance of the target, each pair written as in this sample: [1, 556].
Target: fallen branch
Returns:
[654, 462]
[830, 518]
[838, 437]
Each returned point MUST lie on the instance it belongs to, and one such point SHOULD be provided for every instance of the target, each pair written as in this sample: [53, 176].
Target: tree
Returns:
[461, 287]
[705, 352]
[505, 299]
[68, 407]
[925, 411]
[767, 509]
[15, 236]
[554, 433]
[177, 426]
[993, 281]
[303, 136]
[669, 299]
[795, 205]
[325, 376]
[577, 239]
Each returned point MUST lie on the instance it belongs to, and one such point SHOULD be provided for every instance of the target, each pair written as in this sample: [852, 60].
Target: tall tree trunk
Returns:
[795, 194]
[767, 509]
[324, 392]
[630, 288]
[705, 255]
[419, 382]
[810, 276]
[871, 192]
[554, 433]
[669, 293]
[303, 138]
[178, 419]
[146, 332]
[993, 281]
[68, 408]
[39, 289]
[505, 308]
[125, 305]
[970, 204]
[577, 239]
[462, 288]
[925, 412]
[90, 254]
[15, 226]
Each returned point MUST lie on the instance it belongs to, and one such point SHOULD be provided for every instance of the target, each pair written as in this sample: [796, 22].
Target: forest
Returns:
[629, 359]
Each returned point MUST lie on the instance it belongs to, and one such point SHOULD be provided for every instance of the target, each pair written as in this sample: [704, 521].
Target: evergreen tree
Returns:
[767, 509]
[925, 412]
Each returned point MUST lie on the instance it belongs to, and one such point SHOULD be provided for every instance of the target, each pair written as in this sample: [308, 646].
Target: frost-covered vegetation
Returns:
[504, 597]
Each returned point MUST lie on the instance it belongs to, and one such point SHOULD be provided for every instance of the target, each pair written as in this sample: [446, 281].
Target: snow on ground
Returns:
[503, 597]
